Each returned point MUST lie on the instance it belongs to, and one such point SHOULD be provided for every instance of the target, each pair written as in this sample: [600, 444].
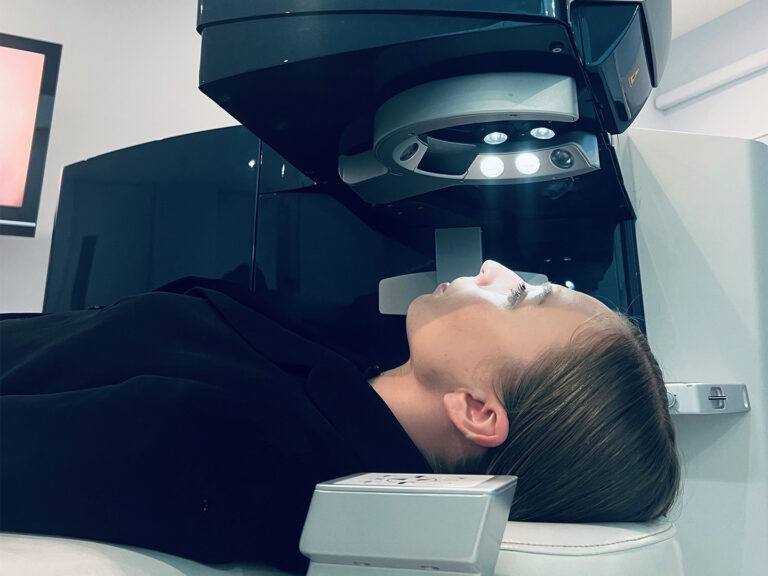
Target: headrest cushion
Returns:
[584, 539]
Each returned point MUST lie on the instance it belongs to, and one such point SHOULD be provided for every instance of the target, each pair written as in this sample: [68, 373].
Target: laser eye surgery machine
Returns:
[417, 139]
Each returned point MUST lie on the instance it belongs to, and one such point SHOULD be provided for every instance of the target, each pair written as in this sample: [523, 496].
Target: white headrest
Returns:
[527, 549]
[629, 549]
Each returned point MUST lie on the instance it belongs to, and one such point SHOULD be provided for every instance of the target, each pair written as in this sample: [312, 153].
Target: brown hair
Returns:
[590, 438]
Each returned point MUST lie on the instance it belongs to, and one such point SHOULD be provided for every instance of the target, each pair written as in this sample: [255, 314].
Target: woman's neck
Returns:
[421, 413]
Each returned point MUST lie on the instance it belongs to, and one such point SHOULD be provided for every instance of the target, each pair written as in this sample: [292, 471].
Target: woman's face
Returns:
[461, 330]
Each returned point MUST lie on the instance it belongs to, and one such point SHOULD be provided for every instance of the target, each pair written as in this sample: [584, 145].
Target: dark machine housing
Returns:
[307, 78]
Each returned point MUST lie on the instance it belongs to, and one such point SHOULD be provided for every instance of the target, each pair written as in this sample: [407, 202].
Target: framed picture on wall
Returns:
[29, 70]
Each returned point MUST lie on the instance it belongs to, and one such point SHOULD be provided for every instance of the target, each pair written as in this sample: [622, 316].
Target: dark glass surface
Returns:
[321, 263]
[613, 41]
[132, 220]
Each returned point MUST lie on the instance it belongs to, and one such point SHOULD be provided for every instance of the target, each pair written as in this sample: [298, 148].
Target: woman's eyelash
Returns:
[516, 294]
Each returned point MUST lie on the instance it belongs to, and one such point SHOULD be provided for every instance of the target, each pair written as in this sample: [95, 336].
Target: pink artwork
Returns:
[21, 73]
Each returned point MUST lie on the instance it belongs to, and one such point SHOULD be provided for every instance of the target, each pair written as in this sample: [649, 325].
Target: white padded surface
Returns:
[629, 549]
[29, 555]
[527, 549]
[583, 539]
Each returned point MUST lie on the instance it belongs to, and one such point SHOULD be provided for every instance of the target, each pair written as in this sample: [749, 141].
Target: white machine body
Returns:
[702, 241]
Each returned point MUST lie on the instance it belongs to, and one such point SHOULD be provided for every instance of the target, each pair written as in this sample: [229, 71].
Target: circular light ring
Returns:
[492, 166]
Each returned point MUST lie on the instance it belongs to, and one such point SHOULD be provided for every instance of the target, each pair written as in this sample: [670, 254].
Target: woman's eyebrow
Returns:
[534, 293]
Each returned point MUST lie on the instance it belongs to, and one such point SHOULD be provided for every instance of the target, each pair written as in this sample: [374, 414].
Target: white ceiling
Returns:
[690, 14]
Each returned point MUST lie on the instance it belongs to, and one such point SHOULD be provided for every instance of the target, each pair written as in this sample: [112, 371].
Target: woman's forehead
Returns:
[576, 301]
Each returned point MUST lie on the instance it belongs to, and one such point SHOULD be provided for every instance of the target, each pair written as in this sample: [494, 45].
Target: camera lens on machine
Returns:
[561, 158]
[409, 152]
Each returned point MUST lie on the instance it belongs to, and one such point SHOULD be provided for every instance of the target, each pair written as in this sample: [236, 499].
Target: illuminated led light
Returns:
[495, 138]
[527, 163]
[492, 166]
[570, 285]
[543, 133]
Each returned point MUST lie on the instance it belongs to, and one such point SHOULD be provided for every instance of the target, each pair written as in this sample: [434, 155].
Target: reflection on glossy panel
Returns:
[132, 220]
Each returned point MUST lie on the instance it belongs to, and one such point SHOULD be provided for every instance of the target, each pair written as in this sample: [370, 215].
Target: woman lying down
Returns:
[196, 425]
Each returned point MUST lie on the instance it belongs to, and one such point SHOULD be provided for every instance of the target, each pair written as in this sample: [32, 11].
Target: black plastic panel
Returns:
[132, 220]
[220, 11]
[309, 83]
[320, 264]
[319, 257]
[612, 39]
[135, 219]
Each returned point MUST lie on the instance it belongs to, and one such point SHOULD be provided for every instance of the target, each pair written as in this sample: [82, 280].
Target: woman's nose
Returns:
[488, 272]
[492, 272]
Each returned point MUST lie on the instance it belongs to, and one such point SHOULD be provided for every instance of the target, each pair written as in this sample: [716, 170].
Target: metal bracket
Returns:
[458, 252]
[700, 398]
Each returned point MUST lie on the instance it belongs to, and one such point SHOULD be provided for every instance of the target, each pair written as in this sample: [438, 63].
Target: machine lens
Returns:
[543, 133]
[492, 166]
[408, 153]
[527, 163]
[561, 158]
[495, 138]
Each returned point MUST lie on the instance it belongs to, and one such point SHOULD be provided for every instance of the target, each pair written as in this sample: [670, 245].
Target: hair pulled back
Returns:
[590, 437]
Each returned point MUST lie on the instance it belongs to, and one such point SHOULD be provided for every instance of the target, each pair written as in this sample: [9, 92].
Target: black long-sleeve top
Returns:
[189, 423]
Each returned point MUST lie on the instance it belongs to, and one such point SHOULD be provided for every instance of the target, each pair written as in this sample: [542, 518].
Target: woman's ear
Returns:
[483, 421]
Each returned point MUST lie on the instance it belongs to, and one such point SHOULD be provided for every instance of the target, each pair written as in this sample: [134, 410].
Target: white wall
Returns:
[128, 74]
[739, 108]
